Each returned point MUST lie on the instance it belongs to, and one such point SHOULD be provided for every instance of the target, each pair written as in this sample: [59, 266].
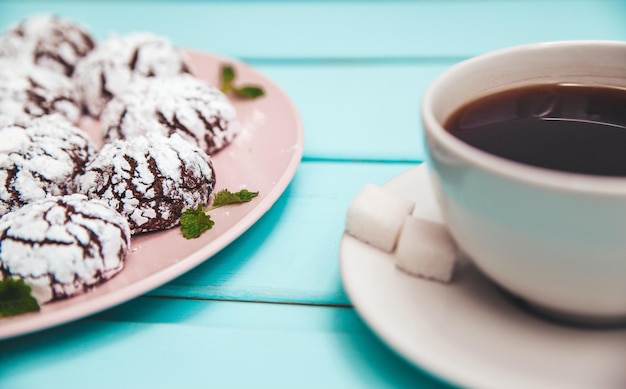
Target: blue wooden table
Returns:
[269, 311]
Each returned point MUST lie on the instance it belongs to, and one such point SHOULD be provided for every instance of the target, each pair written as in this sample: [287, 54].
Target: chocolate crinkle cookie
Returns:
[27, 90]
[150, 180]
[39, 157]
[111, 66]
[181, 104]
[62, 246]
[48, 41]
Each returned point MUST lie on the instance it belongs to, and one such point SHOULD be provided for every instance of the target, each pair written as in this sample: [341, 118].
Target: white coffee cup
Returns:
[555, 239]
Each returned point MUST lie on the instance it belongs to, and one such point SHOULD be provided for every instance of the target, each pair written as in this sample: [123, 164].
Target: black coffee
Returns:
[573, 128]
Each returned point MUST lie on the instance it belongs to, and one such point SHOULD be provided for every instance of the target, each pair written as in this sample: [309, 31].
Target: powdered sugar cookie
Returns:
[63, 246]
[109, 68]
[179, 104]
[150, 180]
[27, 90]
[54, 43]
[39, 157]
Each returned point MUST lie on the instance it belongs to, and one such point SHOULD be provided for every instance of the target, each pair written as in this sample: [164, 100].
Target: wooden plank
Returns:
[308, 29]
[292, 253]
[166, 343]
[353, 111]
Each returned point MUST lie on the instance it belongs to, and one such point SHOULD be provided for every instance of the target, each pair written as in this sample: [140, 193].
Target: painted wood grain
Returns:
[359, 112]
[165, 343]
[345, 29]
[292, 253]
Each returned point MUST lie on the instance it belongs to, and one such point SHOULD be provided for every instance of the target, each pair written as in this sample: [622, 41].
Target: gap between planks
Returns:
[356, 60]
[276, 302]
[361, 160]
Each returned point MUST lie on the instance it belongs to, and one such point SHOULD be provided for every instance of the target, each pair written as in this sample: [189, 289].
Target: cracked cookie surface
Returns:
[48, 41]
[40, 157]
[108, 69]
[62, 246]
[27, 90]
[150, 180]
[180, 104]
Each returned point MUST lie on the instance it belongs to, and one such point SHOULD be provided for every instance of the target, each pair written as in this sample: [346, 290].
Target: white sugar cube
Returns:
[376, 215]
[426, 249]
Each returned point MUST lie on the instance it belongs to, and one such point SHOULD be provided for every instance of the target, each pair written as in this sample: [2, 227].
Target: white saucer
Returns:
[468, 332]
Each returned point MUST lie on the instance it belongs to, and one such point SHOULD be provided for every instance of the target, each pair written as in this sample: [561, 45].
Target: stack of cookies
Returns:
[67, 208]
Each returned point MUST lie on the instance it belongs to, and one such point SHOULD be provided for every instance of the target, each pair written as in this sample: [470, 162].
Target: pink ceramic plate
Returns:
[264, 157]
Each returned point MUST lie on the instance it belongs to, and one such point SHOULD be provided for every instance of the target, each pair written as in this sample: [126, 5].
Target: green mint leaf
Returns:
[16, 298]
[250, 92]
[193, 222]
[228, 85]
[228, 76]
[225, 197]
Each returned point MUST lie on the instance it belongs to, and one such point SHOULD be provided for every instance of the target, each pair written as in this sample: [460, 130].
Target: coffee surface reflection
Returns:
[567, 127]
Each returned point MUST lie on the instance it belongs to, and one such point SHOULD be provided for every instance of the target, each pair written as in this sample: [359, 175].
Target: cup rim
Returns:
[533, 175]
